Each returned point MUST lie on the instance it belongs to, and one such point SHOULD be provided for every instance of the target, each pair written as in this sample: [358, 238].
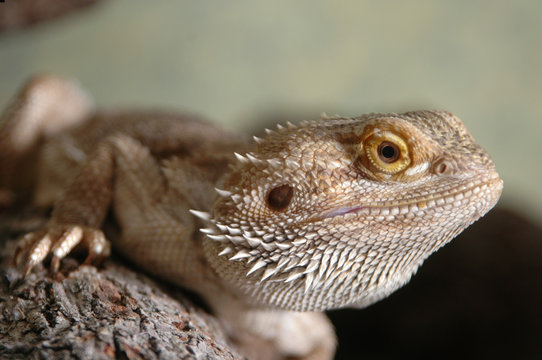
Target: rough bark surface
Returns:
[106, 313]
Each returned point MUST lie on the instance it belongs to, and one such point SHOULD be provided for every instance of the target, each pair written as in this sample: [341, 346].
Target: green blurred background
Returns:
[241, 62]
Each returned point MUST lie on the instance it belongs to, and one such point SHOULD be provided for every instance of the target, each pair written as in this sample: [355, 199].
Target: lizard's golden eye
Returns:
[280, 197]
[386, 152]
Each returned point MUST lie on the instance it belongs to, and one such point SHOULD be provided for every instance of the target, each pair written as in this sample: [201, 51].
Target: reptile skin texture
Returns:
[337, 212]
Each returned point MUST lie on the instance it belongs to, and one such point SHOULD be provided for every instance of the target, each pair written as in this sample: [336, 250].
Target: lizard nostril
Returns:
[443, 167]
[280, 197]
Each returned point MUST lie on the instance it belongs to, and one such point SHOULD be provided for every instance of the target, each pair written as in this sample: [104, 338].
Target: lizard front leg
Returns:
[79, 214]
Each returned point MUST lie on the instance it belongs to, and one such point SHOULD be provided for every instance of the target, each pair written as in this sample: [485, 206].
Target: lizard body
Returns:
[327, 214]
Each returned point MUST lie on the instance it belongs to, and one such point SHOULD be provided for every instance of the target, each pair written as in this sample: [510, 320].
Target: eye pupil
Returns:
[388, 152]
[280, 197]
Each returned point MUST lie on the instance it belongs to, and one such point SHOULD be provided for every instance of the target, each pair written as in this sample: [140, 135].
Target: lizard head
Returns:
[342, 211]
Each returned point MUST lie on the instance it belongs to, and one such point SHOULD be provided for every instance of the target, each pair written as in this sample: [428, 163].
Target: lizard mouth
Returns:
[458, 196]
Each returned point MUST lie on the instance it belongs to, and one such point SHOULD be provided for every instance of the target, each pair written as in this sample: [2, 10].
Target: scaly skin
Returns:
[327, 214]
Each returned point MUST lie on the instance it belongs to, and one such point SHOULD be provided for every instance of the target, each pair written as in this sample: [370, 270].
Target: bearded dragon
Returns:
[337, 212]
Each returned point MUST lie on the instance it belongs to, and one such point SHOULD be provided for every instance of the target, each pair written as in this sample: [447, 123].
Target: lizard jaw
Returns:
[492, 187]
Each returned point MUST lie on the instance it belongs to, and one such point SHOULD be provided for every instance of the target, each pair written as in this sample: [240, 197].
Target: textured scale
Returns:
[326, 214]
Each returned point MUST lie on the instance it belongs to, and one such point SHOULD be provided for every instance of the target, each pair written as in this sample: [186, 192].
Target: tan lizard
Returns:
[327, 214]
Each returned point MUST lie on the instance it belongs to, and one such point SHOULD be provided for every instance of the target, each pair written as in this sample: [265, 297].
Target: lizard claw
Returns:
[37, 244]
[98, 246]
[59, 241]
[68, 239]
[24, 244]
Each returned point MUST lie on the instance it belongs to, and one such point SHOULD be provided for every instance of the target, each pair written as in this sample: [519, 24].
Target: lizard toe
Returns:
[69, 238]
[98, 246]
[34, 249]
[24, 245]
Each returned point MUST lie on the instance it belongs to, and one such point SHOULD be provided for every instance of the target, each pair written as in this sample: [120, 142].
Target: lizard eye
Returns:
[280, 197]
[386, 152]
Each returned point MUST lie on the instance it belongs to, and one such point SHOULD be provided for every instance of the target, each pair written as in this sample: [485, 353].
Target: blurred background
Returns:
[245, 64]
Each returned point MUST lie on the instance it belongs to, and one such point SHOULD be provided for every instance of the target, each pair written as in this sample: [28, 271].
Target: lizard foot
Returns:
[59, 241]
